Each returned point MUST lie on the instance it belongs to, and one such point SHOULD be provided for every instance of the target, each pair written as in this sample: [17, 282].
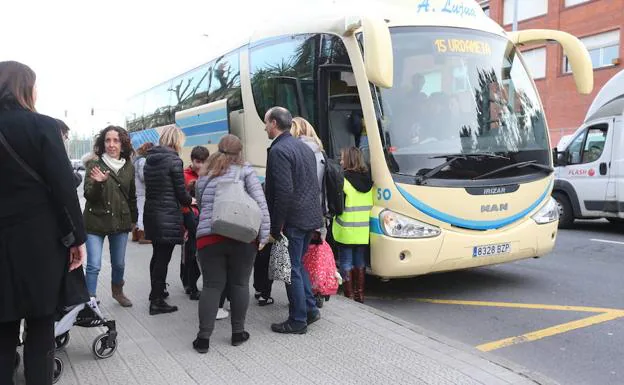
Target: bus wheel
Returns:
[566, 216]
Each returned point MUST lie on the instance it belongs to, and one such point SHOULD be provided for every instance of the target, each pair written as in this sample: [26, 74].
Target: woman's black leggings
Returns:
[38, 350]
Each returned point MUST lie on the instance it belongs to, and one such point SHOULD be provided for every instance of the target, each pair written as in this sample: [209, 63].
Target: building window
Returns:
[535, 61]
[570, 3]
[526, 9]
[603, 49]
[485, 5]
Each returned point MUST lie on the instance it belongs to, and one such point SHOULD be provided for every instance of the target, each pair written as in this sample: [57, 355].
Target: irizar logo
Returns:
[494, 208]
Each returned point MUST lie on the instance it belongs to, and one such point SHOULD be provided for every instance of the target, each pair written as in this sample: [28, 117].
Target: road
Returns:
[581, 342]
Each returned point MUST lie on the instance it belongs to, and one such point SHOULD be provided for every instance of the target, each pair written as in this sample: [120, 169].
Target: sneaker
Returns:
[288, 328]
[202, 345]
[159, 306]
[239, 338]
[313, 317]
[222, 313]
[194, 295]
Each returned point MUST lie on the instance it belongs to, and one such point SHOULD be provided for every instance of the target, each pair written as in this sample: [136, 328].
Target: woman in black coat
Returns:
[165, 195]
[33, 261]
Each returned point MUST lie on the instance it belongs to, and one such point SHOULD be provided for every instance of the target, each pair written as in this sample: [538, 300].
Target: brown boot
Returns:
[135, 235]
[358, 285]
[119, 295]
[347, 285]
[142, 240]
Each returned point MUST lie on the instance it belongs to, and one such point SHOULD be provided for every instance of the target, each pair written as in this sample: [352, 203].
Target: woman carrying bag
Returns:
[223, 258]
[41, 228]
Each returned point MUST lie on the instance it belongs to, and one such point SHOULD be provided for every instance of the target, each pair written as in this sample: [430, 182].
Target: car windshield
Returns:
[459, 91]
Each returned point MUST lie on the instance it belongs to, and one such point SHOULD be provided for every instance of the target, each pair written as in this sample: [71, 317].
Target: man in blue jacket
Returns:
[292, 192]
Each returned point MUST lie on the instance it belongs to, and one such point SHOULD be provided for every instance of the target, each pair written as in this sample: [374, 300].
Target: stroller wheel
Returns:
[61, 341]
[104, 346]
[58, 370]
[18, 359]
[327, 298]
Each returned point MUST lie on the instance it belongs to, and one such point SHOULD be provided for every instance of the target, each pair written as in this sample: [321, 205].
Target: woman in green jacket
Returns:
[111, 208]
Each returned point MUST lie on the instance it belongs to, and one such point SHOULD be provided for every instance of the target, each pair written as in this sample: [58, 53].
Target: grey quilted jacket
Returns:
[208, 185]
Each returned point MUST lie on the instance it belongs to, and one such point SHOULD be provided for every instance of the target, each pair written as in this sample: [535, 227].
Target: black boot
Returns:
[159, 306]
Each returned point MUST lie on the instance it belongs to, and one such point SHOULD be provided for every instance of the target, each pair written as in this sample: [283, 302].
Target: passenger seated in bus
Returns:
[437, 121]
[416, 95]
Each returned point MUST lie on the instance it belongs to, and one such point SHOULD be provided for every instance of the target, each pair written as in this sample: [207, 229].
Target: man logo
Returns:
[494, 208]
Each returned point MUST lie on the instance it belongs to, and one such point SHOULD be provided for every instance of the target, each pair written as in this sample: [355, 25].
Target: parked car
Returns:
[77, 164]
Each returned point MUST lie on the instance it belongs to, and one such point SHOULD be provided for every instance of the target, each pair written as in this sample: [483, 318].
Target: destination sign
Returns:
[463, 46]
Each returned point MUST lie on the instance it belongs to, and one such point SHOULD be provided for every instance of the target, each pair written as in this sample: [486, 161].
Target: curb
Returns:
[531, 375]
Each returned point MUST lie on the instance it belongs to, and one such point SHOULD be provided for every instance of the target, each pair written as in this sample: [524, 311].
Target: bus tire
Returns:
[566, 215]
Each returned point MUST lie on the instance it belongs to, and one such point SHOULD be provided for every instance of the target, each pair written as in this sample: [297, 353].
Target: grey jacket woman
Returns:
[320, 172]
[207, 187]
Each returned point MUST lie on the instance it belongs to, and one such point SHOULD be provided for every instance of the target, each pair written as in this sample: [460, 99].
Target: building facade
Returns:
[598, 23]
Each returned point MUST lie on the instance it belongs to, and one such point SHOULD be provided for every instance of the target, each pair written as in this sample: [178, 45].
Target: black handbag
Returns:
[66, 224]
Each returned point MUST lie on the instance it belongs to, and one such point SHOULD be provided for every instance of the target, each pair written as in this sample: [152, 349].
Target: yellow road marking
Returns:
[604, 315]
[551, 331]
[521, 305]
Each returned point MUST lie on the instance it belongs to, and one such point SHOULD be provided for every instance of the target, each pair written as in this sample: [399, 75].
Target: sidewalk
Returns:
[351, 344]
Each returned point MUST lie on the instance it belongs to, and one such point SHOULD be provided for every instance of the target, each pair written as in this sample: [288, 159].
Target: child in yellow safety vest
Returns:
[351, 228]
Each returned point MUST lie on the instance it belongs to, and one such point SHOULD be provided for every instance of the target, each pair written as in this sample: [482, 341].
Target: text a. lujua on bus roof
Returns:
[461, 8]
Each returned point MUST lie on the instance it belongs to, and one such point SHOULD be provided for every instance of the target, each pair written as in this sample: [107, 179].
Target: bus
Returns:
[434, 92]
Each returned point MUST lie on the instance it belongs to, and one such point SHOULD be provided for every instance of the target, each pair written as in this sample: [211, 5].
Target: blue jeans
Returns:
[300, 298]
[350, 257]
[117, 246]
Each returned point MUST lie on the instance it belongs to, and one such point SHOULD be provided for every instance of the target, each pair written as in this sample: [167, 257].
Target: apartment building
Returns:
[597, 23]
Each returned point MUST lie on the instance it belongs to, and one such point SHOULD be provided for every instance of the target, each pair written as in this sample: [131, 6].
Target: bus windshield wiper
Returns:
[453, 157]
[530, 163]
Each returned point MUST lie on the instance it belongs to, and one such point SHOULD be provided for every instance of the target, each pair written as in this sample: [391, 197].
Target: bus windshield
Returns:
[460, 92]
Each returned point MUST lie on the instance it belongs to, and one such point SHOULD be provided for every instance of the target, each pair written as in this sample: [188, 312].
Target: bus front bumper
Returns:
[454, 249]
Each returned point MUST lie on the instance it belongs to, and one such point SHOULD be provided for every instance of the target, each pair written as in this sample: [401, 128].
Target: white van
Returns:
[589, 177]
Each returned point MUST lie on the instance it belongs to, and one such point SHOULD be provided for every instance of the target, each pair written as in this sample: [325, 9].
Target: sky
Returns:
[95, 54]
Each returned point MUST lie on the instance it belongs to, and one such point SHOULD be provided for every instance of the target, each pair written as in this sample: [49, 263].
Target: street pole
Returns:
[515, 16]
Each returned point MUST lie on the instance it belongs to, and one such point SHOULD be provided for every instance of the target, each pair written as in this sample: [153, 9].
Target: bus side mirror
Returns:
[378, 55]
[573, 48]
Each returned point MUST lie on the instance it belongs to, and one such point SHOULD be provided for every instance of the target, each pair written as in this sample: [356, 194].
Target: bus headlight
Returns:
[548, 213]
[399, 226]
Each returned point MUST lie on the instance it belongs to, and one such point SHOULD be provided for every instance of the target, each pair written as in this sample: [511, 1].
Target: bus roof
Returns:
[331, 18]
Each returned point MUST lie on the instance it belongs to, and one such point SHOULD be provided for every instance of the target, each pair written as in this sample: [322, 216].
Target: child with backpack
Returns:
[351, 228]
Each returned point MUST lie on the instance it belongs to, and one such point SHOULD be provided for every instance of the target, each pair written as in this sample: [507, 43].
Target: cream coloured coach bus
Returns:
[434, 92]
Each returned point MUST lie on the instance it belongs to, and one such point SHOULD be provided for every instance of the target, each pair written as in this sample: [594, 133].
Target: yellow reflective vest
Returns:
[352, 226]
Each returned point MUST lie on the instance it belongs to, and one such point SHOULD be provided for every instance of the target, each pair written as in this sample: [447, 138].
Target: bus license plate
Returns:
[489, 250]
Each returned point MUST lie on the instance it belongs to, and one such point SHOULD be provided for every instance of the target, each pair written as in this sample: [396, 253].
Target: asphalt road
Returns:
[585, 270]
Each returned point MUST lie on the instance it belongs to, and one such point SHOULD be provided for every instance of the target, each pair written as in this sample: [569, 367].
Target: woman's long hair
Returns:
[230, 152]
[99, 147]
[353, 160]
[301, 127]
[145, 147]
[17, 86]
[173, 138]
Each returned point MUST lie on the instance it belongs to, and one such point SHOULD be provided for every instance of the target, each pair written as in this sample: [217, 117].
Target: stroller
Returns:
[84, 315]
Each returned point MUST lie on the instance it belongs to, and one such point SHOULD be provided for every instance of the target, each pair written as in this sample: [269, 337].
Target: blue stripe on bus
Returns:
[375, 226]
[201, 140]
[144, 136]
[206, 128]
[205, 117]
[467, 223]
